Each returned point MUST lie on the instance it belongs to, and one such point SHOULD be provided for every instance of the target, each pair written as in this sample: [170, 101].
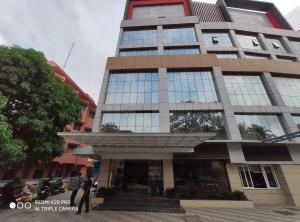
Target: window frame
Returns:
[262, 168]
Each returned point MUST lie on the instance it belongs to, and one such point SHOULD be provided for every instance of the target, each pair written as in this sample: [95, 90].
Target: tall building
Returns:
[64, 165]
[190, 96]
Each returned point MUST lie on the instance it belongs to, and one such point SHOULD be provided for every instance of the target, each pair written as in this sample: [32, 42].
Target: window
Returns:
[225, 55]
[179, 35]
[138, 52]
[132, 88]
[72, 146]
[88, 130]
[249, 42]
[285, 58]
[295, 46]
[158, 11]
[181, 51]
[133, 122]
[256, 56]
[259, 127]
[77, 126]
[297, 120]
[258, 176]
[246, 90]
[191, 87]
[217, 40]
[191, 122]
[139, 37]
[275, 45]
[289, 89]
[92, 115]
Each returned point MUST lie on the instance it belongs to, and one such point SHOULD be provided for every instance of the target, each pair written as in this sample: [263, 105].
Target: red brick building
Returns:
[64, 165]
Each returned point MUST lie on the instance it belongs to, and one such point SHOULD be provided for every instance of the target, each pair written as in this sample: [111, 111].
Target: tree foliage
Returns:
[37, 106]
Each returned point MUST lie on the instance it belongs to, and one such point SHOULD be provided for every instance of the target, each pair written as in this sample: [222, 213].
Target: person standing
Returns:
[74, 186]
[86, 195]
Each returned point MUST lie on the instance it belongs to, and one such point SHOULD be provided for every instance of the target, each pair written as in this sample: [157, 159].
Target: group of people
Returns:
[74, 185]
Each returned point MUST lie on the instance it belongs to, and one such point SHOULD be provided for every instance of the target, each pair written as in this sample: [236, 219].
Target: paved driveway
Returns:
[261, 213]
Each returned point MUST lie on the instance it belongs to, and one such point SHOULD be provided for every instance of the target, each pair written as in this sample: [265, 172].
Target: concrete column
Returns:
[287, 45]
[292, 182]
[236, 43]
[101, 102]
[234, 177]
[103, 176]
[160, 40]
[263, 42]
[164, 118]
[168, 174]
[199, 35]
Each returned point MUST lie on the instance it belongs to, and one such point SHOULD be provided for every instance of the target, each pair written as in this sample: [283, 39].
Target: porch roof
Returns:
[136, 145]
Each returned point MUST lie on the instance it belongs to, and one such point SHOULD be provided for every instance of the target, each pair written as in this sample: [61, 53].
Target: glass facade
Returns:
[133, 122]
[226, 55]
[289, 89]
[191, 122]
[246, 91]
[139, 37]
[259, 127]
[275, 45]
[295, 46]
[158, 11]
[132, 88]
[181, 51]
[179, 35]
[249, 42]
[217, 40]
[256, 176]
[191, 87]
[297, 120]
[138, 52]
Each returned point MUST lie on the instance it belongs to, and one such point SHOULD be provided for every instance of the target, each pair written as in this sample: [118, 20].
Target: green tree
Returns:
[37, 105]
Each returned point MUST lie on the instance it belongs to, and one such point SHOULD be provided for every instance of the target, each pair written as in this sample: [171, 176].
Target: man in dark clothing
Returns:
[86, 195]
[74, 186]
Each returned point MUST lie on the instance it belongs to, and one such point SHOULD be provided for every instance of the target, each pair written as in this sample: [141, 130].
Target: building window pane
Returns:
[256, 176]
[179, 35]
[217, 40]
[190, 122]
[181, 51]
[275, 45]
[225, 55]
[289, 89]
[191, 87]
[158, 11]
[259, 127]
[256, 56]
[132, 88]
[297, 120]
[139, 37]
[249, 42]
[130, 122]
[249, 90]
[296, 46]
[138, 52]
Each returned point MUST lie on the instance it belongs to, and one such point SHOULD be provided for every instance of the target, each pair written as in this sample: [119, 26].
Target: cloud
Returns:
[2, 41]
[294, 17]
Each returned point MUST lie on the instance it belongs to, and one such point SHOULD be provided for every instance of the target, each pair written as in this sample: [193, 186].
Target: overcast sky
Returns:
[51, 26]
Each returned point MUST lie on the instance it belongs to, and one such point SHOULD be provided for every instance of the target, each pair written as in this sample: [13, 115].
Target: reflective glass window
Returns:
[179, 35]
[246, 90]
[295, 46]
[256, 56]
[217, 40]
[132, 88]
[181, 51]
[275, 45]
[191, 122]
[138, 52]
[297, 120]
[191, 87]
[259, 127]
[249, 42]
[158, 11]
[226, 55]
[139, 37]
[289, 89]
[132, 122]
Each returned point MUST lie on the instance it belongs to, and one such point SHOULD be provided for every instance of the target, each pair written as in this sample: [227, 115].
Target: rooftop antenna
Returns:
[69, 54]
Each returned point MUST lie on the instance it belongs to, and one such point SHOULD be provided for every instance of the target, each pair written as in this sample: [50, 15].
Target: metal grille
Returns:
[207, 12]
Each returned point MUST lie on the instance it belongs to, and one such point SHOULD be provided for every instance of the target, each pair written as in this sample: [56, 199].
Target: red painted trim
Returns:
[273, 20]
[137, 3]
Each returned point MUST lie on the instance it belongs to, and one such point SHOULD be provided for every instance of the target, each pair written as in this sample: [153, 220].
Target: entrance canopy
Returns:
[136, 145]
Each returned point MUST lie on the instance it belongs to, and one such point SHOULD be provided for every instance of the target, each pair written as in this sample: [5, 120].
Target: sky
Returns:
[51, 26]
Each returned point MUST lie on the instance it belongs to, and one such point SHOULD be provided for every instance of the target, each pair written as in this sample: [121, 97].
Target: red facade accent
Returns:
[273, 20]
[138, 3]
